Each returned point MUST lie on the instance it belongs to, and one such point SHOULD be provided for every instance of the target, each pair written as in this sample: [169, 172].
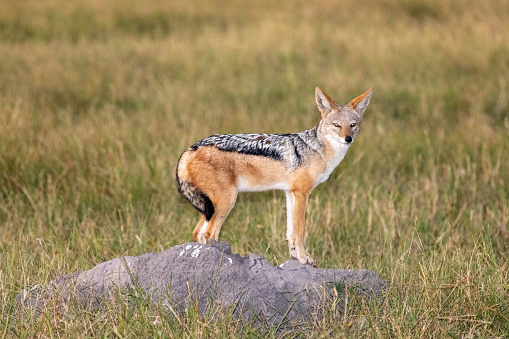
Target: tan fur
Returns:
[203, 168]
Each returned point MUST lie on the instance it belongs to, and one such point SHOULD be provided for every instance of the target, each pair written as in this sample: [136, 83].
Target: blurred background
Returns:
[99, 98]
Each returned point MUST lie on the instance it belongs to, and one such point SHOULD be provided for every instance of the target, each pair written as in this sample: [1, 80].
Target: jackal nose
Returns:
[348, 139]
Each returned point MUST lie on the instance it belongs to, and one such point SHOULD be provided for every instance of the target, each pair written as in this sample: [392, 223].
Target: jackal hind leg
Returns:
[223, 204]
[198, 232]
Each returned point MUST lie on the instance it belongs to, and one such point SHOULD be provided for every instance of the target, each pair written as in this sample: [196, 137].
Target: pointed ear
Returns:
[360, 103]
[324, 102]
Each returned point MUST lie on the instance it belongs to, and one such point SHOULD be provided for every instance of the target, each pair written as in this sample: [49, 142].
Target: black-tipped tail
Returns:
[197, 198]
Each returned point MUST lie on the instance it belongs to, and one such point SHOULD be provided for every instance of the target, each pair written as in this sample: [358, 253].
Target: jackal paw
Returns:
[306, 259]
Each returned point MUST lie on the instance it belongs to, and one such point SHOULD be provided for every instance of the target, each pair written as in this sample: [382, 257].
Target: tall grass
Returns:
[98, 99]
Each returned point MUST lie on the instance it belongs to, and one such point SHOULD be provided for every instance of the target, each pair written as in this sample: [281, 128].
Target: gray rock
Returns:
[210, 276]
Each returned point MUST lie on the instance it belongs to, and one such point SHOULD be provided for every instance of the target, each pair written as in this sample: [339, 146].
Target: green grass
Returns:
[98, 99]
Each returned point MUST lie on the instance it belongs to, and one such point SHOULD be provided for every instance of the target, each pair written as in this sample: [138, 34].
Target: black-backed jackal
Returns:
[212, 171]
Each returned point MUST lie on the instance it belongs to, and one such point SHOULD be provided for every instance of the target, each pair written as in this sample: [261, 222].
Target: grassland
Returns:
[99, 98]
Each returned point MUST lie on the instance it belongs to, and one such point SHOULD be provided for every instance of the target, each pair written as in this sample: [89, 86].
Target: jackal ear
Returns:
[324, 102]
[360, 103]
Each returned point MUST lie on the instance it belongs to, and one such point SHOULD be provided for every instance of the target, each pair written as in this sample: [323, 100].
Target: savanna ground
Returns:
[99, 98]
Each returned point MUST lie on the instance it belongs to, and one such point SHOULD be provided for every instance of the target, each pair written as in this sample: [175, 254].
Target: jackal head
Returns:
[342, 122]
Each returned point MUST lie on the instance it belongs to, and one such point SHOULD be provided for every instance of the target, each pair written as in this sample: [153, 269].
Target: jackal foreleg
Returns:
[299, 223]
[290, 203]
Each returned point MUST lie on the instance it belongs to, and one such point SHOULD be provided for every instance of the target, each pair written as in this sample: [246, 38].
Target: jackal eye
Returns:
[336, 124]
[353, 124]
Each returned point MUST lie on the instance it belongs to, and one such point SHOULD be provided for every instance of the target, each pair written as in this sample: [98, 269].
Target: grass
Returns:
[98, 99]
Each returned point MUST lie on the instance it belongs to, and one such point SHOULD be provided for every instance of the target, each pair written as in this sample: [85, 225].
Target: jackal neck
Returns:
[311, 139]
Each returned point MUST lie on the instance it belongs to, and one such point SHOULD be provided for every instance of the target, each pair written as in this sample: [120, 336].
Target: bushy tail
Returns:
[197, 198]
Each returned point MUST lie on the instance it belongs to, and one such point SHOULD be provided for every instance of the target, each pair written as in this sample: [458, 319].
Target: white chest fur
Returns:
[339, 151]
